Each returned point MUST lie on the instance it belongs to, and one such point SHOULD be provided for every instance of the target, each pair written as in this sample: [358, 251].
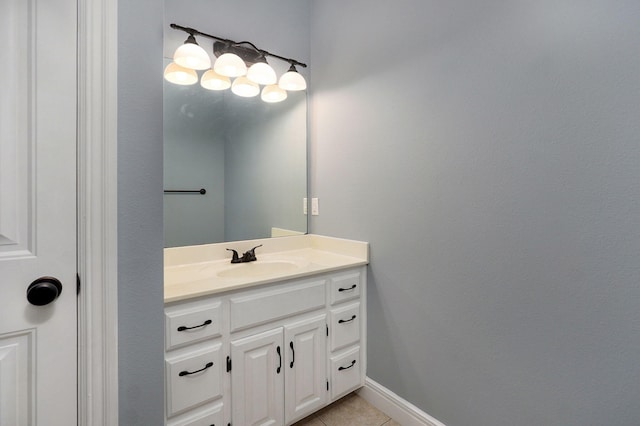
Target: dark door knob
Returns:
[43, 291]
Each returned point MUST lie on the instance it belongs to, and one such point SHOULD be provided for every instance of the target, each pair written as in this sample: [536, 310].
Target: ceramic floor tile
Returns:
[392, 423]
[309, 421]
[350, 411]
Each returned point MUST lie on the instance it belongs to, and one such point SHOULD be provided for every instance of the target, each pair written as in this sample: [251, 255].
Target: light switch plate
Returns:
[304, 205]
[315, 211]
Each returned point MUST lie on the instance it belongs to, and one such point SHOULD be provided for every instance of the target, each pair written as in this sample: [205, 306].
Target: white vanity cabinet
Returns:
[283, 367]
[194, 363]
[347, 314]
[270, 354]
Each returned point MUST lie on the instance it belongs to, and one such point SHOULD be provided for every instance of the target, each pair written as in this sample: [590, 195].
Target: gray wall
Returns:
[140, 289]
[499, 196]
[500, 193]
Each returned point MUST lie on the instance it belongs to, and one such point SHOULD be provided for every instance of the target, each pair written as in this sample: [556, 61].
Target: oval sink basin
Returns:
[259, 268]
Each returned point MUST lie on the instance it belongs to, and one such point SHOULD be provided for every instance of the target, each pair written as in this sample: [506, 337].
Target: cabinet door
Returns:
[257, 379]
[305, 364]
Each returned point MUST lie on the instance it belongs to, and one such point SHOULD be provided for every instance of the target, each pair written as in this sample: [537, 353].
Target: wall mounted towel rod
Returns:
[185, 191]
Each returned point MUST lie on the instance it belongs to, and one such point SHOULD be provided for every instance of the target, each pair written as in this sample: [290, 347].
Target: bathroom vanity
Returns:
[264, 342]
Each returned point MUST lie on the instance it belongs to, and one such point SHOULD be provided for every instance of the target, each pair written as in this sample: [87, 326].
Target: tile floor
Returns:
[351, 410]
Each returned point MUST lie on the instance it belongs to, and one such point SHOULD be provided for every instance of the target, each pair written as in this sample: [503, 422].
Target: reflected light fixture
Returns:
[273, 93]
[211, 80]
[240, 60]
[244, 87]
[178, 74]
[191, 55]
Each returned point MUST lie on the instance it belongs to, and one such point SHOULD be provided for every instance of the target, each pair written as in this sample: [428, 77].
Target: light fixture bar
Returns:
[194, 32]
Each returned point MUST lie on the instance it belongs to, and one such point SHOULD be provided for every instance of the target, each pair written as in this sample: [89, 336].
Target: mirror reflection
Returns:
[248, 155]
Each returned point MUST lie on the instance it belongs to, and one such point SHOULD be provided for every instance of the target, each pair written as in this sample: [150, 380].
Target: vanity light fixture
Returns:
[292, 80]
[191, 55]
[243, 61]
[261, 72]
[230, 65]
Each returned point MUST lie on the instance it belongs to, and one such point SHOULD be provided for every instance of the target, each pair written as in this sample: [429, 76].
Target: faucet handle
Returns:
[253, 249]
[250, 255]
[235, 258]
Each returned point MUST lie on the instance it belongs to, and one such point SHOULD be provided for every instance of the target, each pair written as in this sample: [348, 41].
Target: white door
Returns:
[306, 366]
[38, 212]
[257, 380]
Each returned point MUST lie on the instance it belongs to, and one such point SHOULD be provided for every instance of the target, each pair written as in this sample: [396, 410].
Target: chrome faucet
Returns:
[247, 256]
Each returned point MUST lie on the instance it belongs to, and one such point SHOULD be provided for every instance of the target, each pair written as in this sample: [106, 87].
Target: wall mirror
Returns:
[249, 157]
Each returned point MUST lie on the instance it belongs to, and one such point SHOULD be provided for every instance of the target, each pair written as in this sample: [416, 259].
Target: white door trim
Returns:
[97, 213]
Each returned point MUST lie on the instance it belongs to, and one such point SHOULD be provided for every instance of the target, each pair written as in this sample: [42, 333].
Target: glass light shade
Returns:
[190, 55]
[230, 65]
[273, 93]
[211, 80]
[177, 74]
[244, 87]
[262, 73]
[292, 80]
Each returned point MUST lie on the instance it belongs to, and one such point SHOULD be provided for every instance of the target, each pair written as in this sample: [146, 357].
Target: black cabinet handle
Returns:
[293, 355]
[183, 328]
[186, 373]
[342, 321]
[280, 357]
[347, 289]
[345, 368]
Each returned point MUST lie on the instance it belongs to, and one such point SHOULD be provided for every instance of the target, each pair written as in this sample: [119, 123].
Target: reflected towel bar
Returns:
[186, 191]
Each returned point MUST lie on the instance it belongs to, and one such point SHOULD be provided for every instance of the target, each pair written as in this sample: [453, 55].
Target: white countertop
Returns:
[202, 270]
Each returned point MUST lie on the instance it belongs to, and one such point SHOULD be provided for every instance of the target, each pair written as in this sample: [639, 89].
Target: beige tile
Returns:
[309, 421]
[350, 411]
[331, 406]
[392, 423]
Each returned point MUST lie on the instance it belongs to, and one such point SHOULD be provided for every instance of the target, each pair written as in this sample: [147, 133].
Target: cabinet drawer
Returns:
[191, 323]
[345, 287]
[264, 306]
[211, 417]
[346, 373]
[193, 378]
[345, 326]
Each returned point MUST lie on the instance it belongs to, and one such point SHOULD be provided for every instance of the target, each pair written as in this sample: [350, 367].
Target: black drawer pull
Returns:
[186, 373]
[183, 328]
[293, 355]
[342, 321]
[347, 289]
[345, 368]
[280, 358]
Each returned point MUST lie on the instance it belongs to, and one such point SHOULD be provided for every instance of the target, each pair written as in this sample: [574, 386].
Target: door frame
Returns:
[97, 213]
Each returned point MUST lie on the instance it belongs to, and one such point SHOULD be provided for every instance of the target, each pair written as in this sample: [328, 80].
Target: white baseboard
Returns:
[400, 410]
